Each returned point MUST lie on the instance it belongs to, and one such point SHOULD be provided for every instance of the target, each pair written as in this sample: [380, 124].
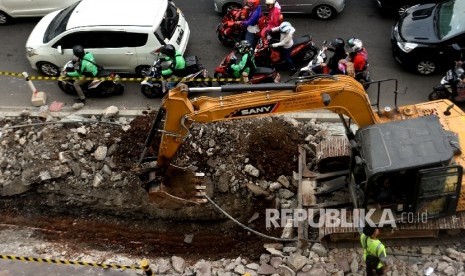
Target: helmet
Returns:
[243, 46]
[168, 50]
[253, 3]
[355, 43]
[78, 51]
[338, 43]
[270, 2]
[285, 27]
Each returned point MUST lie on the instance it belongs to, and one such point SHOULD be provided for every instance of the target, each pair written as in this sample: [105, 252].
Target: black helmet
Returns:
[78, 51]
[168, 50]
[338, 43]
[243, 46]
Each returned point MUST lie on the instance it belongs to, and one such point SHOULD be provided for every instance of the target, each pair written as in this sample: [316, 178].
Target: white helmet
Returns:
[285, 27]
[270, 2]
[355, 43]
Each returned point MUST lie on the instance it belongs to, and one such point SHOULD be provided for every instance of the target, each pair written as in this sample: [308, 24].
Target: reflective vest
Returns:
[372, 247]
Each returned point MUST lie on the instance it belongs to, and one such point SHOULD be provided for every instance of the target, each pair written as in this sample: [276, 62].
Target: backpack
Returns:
[372, 261]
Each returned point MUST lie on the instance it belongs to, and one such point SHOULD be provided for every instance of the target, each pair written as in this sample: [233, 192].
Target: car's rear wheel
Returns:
[324, 12]
[143, 70]
[425, 67]
[4, 18]
[48, 68]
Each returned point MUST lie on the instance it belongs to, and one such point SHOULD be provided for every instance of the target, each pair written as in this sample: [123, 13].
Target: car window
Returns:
[450, 19]
[102, 39]
[59, 23]
[168, 24]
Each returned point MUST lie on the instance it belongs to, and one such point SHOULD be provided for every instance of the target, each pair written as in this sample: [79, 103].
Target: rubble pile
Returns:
[89, 165]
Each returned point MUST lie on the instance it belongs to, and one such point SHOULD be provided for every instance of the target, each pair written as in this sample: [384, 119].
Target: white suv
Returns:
[120, 34]
[26, 8]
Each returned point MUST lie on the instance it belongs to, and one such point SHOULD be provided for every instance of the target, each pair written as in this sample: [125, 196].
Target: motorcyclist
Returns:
[339, 52]
[286, 41]
[251, 23]
[359, 54]
[85, 65]
[274, 17]
[177, 62]
[246, 66]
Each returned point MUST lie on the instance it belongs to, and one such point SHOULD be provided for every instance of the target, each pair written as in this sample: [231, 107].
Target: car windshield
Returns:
[168, 24]
[450, 19]
[58, 24]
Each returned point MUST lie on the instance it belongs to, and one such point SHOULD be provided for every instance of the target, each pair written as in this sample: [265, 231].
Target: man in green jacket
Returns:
[374, 251]
[86, 66]
[246, 66]
[177, 63]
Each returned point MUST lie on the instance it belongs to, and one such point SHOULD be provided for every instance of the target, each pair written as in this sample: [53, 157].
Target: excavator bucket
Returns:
[180, 188]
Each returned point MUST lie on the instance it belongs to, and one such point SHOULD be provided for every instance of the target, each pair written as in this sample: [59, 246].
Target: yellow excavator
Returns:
[406, 159]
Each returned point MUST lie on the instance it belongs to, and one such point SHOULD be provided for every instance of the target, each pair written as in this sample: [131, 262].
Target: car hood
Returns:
[418, 24]
[36, 38]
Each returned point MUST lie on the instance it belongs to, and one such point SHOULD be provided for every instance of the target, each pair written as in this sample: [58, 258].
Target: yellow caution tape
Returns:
[68, 262]
[172, 79]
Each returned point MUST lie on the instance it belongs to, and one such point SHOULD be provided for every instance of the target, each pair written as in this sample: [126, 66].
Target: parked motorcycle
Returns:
[106, 84]
[228, 31]
[153, 86]
[451, 82]
[317, 64]
[261, 74]
[303, 50]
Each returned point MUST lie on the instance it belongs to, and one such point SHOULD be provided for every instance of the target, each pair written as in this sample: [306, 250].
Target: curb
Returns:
[324, 116]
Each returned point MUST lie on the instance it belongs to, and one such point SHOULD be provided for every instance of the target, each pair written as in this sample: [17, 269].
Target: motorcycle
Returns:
[106, 84]
[153, 86]
[261, 74]
[304, 49]
[317, 64]
[451, 82]
[363, 77]
[228, 31]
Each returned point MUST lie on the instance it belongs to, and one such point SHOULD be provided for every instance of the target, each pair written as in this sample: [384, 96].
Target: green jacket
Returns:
[245, 65]
[373, 247]
[86, 67]
[177, 67]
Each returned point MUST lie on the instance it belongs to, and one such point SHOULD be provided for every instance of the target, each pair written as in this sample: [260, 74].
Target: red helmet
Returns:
[253, 3]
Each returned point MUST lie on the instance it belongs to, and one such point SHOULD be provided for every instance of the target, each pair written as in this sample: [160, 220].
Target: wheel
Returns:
[119, 89]
[4, 18]
[48, 68]
[225, 40]
[437, 95]
[67, 88]
[425, 67]
[143, 70]
[324, 12]
[230, 6]
[152, 92]
[402, 9]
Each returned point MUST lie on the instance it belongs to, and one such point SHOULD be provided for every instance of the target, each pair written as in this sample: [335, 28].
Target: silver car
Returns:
[322, 9]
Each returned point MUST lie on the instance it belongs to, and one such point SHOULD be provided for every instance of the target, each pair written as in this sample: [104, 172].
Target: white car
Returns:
[10, 9]
[120, 36]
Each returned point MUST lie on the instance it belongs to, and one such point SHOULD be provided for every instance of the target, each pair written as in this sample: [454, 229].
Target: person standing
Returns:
[374, 251]
[85, 66]
[286, 42]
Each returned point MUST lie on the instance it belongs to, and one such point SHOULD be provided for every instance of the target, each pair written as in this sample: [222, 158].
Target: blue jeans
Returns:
[287, 57]
[251, 38]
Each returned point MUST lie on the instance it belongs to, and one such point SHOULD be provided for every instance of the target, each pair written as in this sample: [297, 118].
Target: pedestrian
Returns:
[374, 251]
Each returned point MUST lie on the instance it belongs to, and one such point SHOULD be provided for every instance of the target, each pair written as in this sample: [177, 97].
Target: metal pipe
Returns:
[245, 87]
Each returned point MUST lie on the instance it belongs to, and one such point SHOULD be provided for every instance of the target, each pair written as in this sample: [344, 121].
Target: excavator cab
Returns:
[408, 167]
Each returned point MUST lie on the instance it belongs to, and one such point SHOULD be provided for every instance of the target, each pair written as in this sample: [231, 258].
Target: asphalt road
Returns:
[360, 18]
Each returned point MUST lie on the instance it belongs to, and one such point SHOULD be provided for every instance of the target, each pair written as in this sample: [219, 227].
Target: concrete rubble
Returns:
[66, 157]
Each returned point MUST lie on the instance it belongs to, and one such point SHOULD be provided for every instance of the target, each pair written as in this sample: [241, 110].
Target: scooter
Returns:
[227, 31]
[450, 82]
[106, 83]
[261, 74]
[155, 87]
[317, 65]
[303, 50]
